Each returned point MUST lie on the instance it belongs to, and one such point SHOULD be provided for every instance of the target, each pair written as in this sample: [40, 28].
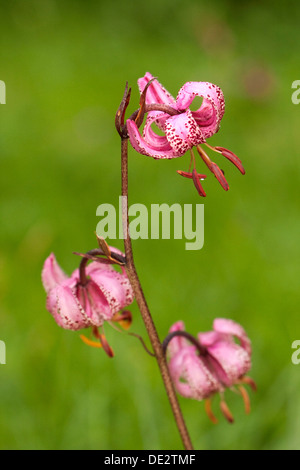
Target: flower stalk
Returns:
[143, 307]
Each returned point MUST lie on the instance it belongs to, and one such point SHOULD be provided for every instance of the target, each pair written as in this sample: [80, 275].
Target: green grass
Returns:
[65, 65]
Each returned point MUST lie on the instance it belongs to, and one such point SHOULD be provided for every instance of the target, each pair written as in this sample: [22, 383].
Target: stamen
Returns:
[247, 380]
[197, 184]
[246, 399]
[103, 342]
[226, 411]
[189, 175]
[193, 160]
[229, 155]
[213, 167]
[124, 319]
[106, 346]
[196, 177]
[232, 158]
[208, 410]
[211, 147]
[89, 342]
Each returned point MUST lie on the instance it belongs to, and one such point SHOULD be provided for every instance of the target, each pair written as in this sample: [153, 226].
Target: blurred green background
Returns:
[65, 64]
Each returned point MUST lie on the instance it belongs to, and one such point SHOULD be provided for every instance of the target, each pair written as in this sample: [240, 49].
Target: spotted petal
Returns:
[115, 287]
[229, 360]
[94, 303]
[63, 305]
[212, 109]
[52, 274]
[191, 376]
[183, 132]
[156, 93]
[156, 148]
[230, 327]
[233, 359]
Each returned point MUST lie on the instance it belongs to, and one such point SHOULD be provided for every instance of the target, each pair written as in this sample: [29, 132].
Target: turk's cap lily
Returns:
[92, 295]
[213, 362]
[76, 306]
[208, 116]
[184, 129]
[62, 301]
[191, 376]
[231, 360]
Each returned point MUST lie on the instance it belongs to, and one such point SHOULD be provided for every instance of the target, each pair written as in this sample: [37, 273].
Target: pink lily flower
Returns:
[184, 130]
[78, 301]
[191, 375]
[212, 363]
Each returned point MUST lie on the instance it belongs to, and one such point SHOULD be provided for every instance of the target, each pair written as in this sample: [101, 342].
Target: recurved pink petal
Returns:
[231, 328]
[52, 274]
[96, 266]
[156, 93]
[64, 306]
[141, 146]
[233, 359]
[183, 132]
[157, 142]
[212, 109]
[191, 376]
[208, 338]
[178, 342]
[116, 288]
[94, 302]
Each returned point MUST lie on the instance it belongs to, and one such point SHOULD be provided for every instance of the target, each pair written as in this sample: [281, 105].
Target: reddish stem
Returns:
[143, 307]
